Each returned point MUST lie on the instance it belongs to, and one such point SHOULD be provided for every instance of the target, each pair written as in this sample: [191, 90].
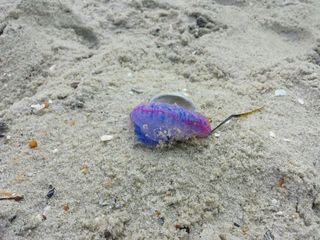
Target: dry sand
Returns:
[258, 180]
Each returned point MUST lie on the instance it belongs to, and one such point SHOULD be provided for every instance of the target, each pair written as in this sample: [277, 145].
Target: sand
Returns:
[92, 61]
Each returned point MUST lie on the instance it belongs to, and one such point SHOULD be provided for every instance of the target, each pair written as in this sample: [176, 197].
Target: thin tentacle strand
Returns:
[244, 114]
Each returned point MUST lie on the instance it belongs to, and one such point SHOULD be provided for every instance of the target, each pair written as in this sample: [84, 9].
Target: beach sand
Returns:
[92, 61]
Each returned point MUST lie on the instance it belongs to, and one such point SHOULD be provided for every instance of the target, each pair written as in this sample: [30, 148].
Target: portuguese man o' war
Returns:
[155, 123]
[162, 123]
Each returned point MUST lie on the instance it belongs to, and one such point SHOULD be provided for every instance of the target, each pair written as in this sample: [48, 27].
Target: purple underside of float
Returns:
[156, 123]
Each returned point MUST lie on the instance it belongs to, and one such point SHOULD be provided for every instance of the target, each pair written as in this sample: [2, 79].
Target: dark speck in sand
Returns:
[3, 128]
[201, 22]
[51, 191]
[236, 224]
[108, 235]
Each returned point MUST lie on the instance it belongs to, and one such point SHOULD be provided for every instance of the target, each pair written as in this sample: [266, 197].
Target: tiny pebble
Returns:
[33, 143]
[217, 135]
[74, 84]
[103, 202]
[46, 103]
[280, 93]
[281, 182]
[161, 220]
[66, 207]
[106, 138]
[294, 216]
[236, 224]
[55, 150]
[157, 213]
[84, 168]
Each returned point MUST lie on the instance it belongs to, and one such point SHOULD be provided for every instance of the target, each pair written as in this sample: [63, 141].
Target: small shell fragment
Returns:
[106, 138]
[52, 68]
[216, 134]
[37, 108]
[136, 90]
[301, 101]
[174, 98]
[280, 93]
[46, 211]
[287, 140]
